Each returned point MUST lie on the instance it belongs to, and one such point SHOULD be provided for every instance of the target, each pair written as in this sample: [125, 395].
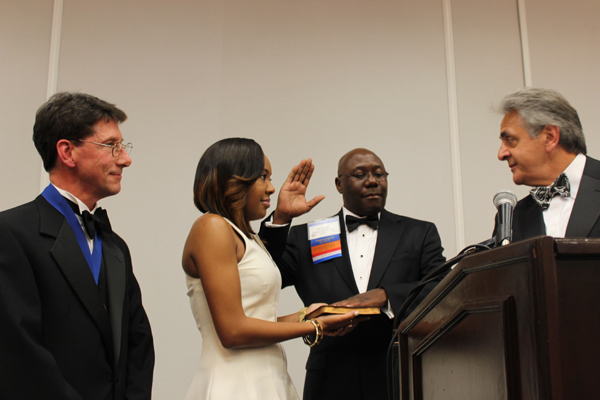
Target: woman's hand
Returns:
[340, 324]
[291, 201]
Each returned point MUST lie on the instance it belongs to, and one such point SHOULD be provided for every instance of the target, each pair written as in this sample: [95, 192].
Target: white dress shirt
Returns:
[361, 249]
[556, 216]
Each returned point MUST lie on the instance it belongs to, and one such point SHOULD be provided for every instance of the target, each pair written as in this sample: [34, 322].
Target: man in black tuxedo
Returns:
[543, 144]
[383, 257]
[72, 322]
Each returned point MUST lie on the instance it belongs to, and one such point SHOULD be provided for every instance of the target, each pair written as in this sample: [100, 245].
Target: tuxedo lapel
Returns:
[69, 257]
[389, 234]
[114, 262]
[586, 209]
[343, 263]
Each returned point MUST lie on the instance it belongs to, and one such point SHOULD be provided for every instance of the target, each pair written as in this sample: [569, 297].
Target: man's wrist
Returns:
[384, 297]
[280, 218]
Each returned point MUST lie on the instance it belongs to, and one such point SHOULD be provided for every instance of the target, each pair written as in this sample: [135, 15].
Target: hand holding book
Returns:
[339, 321]
[326, 309]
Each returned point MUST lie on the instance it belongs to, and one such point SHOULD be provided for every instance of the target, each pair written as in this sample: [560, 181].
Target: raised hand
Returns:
[291, 201]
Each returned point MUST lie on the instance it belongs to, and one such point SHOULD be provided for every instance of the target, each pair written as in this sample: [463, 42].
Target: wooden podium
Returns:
[517, 322]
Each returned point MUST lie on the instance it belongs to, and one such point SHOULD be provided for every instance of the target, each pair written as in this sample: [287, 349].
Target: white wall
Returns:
[307, 78]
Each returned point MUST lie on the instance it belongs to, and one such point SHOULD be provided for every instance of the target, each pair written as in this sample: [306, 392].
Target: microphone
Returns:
[505, 202]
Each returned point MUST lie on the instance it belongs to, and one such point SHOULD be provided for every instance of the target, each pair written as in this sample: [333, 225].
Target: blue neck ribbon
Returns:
[93, 259]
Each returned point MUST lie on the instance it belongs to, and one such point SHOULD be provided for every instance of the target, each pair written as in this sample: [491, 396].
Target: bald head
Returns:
[362, 181]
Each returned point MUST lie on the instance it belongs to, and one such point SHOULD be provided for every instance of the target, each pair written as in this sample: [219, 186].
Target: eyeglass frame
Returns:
[127, 146]
[382, 178]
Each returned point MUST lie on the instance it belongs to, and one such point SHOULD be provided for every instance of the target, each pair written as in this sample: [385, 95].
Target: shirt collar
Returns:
[69, 196]
[574, 172]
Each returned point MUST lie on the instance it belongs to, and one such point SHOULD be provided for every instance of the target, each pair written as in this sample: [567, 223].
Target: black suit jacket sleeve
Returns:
[27, 368]
[275, 239]
[282, 244]
[429, 257]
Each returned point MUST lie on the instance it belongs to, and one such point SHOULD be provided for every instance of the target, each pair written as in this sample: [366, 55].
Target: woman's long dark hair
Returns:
[224, 174]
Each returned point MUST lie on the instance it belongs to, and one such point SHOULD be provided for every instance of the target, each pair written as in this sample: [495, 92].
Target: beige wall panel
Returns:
[305, 79]
[320, 78]
[564, 40]
[25, 28]
[488, 65]
[308, 79]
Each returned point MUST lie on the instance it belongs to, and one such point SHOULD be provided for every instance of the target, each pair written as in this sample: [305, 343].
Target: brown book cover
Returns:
[342, 310]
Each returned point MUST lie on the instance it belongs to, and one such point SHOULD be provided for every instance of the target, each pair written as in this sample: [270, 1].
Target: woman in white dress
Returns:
[233, 283]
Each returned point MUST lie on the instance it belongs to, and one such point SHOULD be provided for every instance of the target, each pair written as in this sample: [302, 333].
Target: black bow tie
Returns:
[352, 222]
[92, 222]
[543, 194]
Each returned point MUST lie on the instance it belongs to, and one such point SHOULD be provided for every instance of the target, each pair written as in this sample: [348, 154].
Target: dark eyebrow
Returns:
[112, 140]
[503, 134]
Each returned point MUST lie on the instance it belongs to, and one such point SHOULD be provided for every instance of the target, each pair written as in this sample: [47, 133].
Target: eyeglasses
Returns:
[116, 147]
[362, 176]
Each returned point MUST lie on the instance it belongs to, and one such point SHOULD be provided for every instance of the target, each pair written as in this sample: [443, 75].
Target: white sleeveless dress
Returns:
[258, 373]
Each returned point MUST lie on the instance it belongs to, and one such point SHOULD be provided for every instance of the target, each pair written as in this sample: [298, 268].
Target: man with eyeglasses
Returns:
[72, 324]
[383, 256]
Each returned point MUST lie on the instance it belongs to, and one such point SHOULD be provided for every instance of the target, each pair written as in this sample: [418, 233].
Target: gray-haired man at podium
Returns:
[543, 144]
